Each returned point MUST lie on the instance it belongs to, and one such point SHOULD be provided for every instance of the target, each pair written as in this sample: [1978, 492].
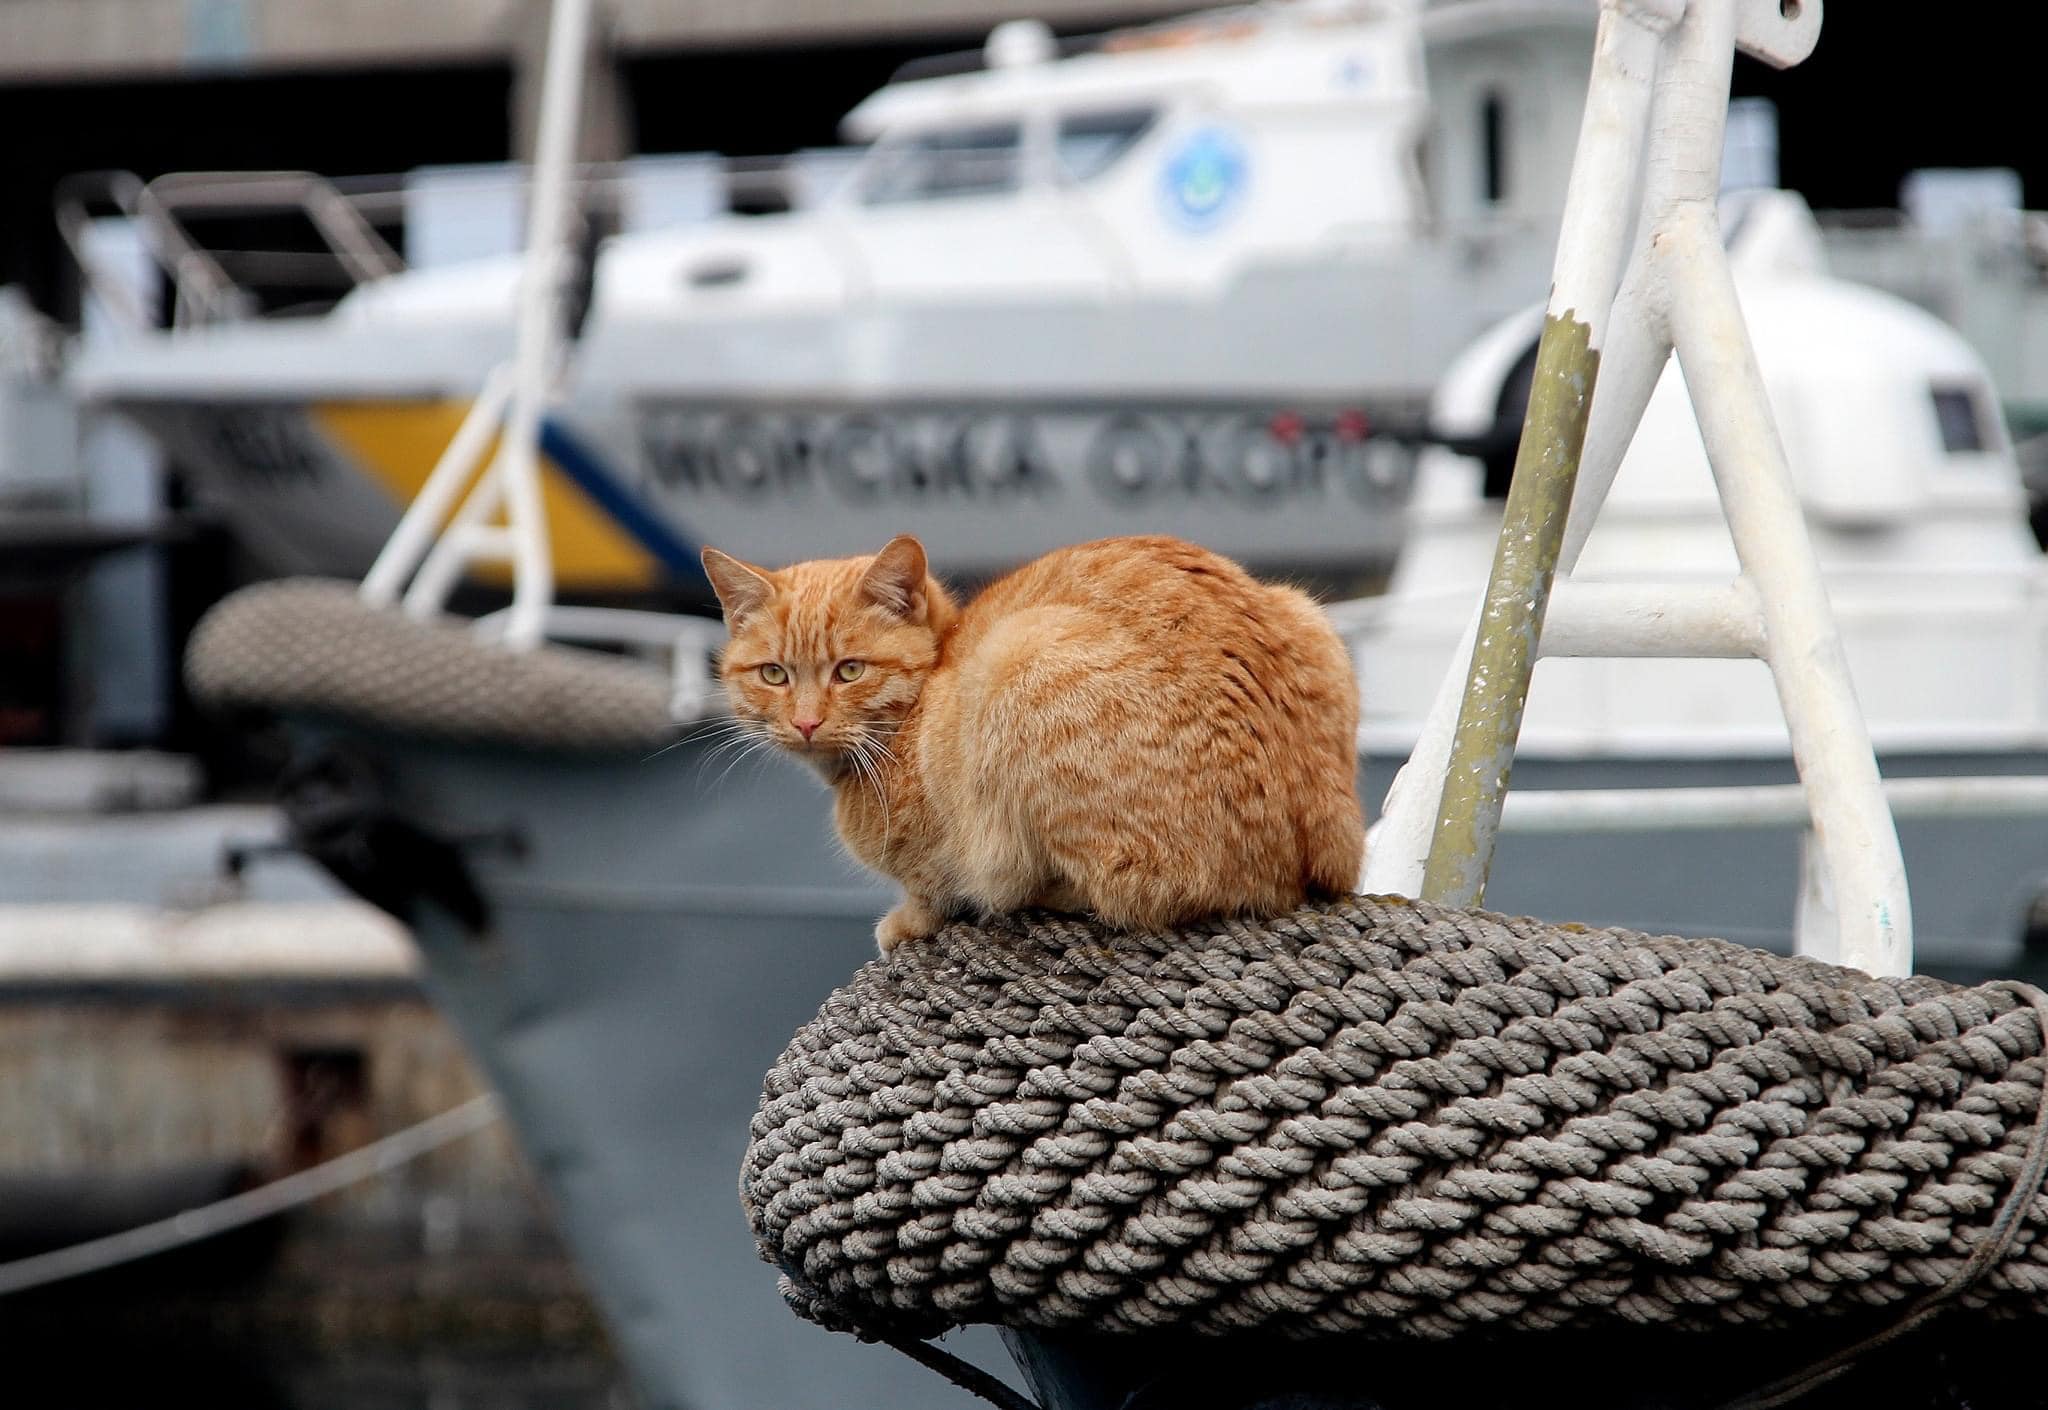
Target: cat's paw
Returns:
[911, 920]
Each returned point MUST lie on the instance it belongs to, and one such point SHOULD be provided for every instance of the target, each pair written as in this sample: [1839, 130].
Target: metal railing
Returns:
[1816, 923]
[212, 285]
[204, 292]
[454, 521]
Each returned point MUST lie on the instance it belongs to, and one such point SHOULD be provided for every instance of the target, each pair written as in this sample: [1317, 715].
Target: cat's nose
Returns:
[807, 727]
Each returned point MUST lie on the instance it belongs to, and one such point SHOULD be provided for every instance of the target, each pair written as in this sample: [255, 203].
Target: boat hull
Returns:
[650, 953]
[315, 487]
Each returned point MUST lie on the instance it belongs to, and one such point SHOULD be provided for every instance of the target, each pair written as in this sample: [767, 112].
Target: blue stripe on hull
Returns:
[627, 510]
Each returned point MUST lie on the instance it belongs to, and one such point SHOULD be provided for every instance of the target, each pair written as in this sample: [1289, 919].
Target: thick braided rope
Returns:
[1376, 1115]
[307, 644]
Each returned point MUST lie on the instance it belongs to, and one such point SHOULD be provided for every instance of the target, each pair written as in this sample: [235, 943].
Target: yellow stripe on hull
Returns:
[398, 442]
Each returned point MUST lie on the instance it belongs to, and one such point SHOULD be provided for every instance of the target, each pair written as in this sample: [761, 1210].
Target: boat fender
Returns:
[312, 648]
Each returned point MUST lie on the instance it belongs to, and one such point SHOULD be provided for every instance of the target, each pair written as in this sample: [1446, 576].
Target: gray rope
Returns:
[1377, 1116]
[1994, 1245]
[190, 1226]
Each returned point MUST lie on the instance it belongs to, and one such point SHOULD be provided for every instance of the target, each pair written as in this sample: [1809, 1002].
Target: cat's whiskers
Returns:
[876, 734]
[728, 738]
[714, 729]
[750, 749]
[733, 735]
[863, 749]
[741, 738]
[731, 739]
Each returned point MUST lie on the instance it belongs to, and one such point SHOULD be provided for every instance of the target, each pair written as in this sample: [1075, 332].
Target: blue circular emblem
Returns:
[1204, 178]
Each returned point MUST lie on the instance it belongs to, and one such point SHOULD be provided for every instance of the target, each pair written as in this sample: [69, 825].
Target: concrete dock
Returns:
[171, 1036]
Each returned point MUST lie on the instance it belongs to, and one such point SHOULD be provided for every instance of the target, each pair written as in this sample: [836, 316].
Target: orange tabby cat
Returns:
[1134, 727]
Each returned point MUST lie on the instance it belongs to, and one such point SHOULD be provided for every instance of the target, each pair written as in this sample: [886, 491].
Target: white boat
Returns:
[1197, 277]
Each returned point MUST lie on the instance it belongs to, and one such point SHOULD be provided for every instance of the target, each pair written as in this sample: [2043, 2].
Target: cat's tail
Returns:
[1334, 858]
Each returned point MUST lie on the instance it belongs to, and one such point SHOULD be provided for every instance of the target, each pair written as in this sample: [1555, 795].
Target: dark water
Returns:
[245, 1325]
[123, 1371]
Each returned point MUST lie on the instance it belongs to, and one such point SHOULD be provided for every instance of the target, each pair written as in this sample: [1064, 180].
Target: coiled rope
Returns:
[1381, 1117]
[310, 646]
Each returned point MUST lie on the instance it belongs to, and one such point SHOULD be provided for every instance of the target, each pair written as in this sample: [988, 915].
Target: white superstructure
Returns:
[1912, 498]
[1162, 159]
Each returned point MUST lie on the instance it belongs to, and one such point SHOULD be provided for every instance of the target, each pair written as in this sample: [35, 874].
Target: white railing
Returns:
[1575, 810]
[1816, 925]
[210, 285]
[203, 290]
[683, 647]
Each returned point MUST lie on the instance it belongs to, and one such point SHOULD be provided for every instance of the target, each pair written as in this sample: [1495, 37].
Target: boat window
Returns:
[1955, 408]
[1493, 136]
[956, 161]
[1090, 143]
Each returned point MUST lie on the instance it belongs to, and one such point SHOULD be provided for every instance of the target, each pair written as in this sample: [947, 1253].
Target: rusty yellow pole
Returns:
[1511, 617]
[1592, 249]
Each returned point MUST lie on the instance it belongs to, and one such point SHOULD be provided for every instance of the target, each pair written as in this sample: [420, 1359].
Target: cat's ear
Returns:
[895, 580]
[741, 587]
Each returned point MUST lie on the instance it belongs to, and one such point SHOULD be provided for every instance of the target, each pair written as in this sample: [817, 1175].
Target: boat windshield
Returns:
[980, 160]
[1089, 144]
[1956, 412]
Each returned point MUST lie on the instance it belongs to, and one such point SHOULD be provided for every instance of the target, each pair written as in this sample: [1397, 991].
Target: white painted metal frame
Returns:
[1593, 810]
[688, 643]
[511, 403]
[1658, 104]
[461, 517]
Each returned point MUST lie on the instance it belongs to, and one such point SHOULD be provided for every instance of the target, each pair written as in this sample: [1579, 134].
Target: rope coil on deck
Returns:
[1381, 1116]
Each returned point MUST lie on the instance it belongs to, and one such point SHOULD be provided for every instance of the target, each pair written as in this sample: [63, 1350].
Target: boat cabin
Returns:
[1164, 159]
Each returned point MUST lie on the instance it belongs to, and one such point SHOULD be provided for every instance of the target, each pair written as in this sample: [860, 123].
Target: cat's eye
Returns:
[850, 670]
[774, 674]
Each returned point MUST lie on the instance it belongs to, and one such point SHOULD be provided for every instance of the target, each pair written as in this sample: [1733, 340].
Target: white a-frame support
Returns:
[1656, 109]
[512, 401]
